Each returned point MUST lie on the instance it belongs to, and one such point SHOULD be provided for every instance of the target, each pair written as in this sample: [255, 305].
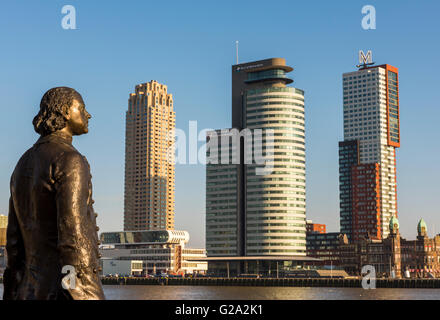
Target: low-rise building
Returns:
[393, 256]
[259, 266]
[421, 257]
[161, 251]
[123, 268]
[323, 246]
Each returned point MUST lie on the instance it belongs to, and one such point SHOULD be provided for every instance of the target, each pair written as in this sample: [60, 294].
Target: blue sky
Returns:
[190, 46]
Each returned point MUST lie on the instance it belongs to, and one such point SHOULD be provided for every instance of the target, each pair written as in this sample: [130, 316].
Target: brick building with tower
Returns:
[393, 256]
[367, 156]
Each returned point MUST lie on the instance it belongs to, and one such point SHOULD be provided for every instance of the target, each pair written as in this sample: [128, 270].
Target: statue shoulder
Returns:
[69, 162]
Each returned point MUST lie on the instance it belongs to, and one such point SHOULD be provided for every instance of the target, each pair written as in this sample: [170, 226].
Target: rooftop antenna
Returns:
[236, 49]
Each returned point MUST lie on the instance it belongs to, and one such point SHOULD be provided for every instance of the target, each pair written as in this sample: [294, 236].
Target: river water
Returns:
[138, 292]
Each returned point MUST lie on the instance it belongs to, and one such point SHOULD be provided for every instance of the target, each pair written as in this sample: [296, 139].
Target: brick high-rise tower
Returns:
[149, 175]
[367, 156]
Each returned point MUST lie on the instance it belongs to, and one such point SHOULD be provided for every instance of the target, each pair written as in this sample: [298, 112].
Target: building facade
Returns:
[2, 259]
[223, 209]
[253, 208]
[393, 256]
[3, 221]
[367, 156]
[421, 257]
[161, 251]
[323, 246]
[3, 228]
[149, 159]
[122, 268]
[315, 227]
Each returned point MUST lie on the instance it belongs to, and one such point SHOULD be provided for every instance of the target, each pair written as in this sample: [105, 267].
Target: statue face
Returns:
[78, 118]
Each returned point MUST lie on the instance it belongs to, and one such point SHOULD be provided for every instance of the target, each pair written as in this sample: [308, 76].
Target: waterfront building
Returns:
[382, 254]
[122, 268]
[261, 266]
[421, 257]
[161, 251]
[393, 255]
[252, 214]
[323, 246]
[367, 156]
[149, 173]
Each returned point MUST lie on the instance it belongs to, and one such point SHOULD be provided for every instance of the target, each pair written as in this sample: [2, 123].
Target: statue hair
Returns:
[54, 107]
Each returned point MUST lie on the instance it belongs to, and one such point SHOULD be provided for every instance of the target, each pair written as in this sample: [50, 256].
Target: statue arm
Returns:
[75, 227]
[15, 255]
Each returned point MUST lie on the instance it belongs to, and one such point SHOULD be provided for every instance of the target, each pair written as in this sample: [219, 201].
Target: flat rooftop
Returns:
[254, 258]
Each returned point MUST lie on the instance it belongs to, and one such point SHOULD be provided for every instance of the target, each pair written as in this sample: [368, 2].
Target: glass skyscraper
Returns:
[251, 211]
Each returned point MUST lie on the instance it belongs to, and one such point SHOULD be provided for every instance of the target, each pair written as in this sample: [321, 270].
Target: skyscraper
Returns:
[367, 156]
[3, 221]
[3, 228]
[149, 175]
[249, 214]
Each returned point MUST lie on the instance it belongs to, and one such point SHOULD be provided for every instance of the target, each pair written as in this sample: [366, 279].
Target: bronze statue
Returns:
[51, 219]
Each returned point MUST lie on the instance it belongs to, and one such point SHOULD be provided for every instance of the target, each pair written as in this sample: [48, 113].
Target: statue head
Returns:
[62, 108]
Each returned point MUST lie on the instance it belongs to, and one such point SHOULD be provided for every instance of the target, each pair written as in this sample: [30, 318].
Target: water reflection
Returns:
[261, 293]
[264, 293]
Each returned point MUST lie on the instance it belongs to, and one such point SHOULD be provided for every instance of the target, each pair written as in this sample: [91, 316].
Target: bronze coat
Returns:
[51, 224]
